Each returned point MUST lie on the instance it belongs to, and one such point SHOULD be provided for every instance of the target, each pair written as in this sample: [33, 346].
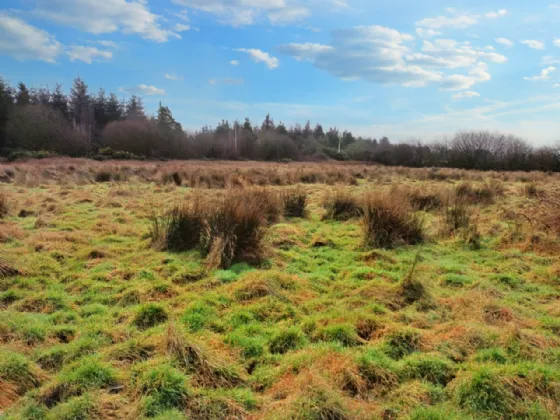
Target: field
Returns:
[222, 290]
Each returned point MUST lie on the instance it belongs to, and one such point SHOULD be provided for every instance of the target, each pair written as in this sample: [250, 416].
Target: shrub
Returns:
[295, 201]
[388, 221]
[340, 205]
[150, 315]
[285, 340]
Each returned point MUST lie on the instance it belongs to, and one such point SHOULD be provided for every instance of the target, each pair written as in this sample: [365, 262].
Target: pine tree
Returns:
[318, 132]
[81, 109]
[281, 129]
[99, 104]
[247, 125]
[40, 96]
[135, 108]
[22, 96]
[6, 106]
[268, 123]
[59, 101]
[307, 131]
[114, 109]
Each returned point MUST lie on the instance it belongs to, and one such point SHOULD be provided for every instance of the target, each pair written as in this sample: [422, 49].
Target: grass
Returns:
[245, 302]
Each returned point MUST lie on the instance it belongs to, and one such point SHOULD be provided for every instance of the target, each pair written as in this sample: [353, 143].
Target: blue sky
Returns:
[403, 69]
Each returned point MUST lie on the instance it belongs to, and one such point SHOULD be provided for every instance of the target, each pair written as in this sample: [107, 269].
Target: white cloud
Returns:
[383, 55]
[26, 42]
[465, 95]
[288, 15]
[143, 89]
[179, 27]
[556, 42]
[534, 44]
[106, 44]
[107, 16]
[505, 41]
[87, 54]
[458, 22]
[496, 14]
[250, 12]
[427, 33]
[260, 56]
[170, 76]
[234, 62]
[542, 77]
[549, 60]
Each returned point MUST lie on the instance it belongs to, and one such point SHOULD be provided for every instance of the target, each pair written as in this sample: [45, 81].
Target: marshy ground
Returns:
[400, 293]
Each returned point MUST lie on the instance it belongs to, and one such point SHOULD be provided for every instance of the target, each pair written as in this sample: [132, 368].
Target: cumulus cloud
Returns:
[496, 14]
[542, 77]
[427, 33]
[383, 55]
[250, 12]
[556, 42]
[143, 89]
[170, 76]
[107, 16]
[26, 42]
[505, 41]
[179, 27]
[534, 44]
[87, 54]
[234, 62]
[439, 22]
[259, 56]
[549, 60]
[465, 95]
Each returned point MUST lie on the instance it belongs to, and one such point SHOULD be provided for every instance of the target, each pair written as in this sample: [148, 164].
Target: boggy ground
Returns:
[97, 323]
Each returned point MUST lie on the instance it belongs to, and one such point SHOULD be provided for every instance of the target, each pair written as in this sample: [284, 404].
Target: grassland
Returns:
[459, 320]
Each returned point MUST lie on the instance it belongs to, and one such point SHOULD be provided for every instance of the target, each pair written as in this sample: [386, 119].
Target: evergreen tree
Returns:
[135, 108]
[22, 96]
[268, 123]
[114, 109]
[222, 128]
[40, 96]
[247, 125]
[318, 132]
[99, 103]
[59, 101]
[307, 132]
[6, 106]
[281, 129]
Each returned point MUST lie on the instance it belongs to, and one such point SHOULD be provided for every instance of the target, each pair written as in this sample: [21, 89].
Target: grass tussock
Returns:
[389, 221]
[6, 270]
[340, 205]
[227, 229]
[295, 202]
[3, 205]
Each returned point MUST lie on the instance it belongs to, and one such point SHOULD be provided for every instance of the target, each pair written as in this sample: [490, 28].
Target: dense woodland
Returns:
[38, 122]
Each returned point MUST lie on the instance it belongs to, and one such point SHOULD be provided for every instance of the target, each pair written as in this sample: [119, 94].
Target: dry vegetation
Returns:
[214, 290]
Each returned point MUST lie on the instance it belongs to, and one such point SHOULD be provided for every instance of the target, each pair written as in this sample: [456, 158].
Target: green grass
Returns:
[101, 325]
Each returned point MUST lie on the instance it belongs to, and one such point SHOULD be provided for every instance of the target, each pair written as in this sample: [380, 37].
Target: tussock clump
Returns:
[149, 316]
[295, 202]
[457, 214]
[3, 206]
[340, 205]
[180, 229]
[209, 371]
[401, 343]
[235, 231]
[285, 340]
[16, 370]
[379, 371]
[412, 289]
[7, 270]
[345, 334]
[103, 176]
[389, 221]
[482, 194]
[424, 200]
[432, 368]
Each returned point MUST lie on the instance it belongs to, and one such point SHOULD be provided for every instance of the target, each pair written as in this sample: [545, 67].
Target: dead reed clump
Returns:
[295, 202]
[235, 230]
[3, 205]
[388, 221]
[457, 214]
[180, 229]
[340, 205]
[424, 200]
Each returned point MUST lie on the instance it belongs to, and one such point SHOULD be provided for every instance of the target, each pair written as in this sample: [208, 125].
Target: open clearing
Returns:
[98, 322]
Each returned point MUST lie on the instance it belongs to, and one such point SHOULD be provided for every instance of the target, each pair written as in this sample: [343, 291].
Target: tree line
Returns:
[39, 121]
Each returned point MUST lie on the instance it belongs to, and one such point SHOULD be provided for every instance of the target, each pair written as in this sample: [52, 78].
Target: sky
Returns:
[405, 69]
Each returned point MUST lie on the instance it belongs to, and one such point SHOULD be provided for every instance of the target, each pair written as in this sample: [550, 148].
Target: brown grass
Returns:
[3, 205]
[341, 205]
[389, 221]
